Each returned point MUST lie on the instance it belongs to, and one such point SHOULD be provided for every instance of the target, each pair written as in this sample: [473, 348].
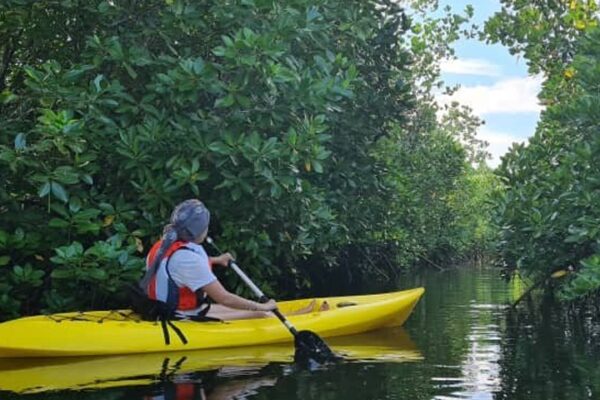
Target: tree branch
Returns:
[9, 51]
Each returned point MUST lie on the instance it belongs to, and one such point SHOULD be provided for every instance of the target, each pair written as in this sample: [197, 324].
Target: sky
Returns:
[494, 83]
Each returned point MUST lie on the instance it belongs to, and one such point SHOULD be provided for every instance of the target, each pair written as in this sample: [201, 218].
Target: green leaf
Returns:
[201, 175]
[66, 175]
[198, 65]
[61, 274]
[97, 82]
[33, 74]
[226, 101]
[44, 190]
[130, 71]
[87, 214]
[195, 165]
[60, 209]
[75, 204]
[219, 51]
[227, 40]
[87, 178]
[19, 234]
[312, 14]
[317, 166]
[248, 33]
[275, 191]
[323, 154]
[59, 192]
[219, 147]
[75, 249]
[107, 208]
[88, 227]
[576, 235]
[97, 274]
[4, 260]
[7, 97]
[75, 74]
[58, 223]
[20, 141]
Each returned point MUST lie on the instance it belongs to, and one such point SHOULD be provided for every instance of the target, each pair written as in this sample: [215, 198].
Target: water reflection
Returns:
[551, 353]
[485, 351]
[464, 344]
[184, 388]
[479, 370]
[42, 375]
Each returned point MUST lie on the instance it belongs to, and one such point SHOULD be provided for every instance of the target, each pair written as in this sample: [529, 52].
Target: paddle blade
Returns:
[310, 349]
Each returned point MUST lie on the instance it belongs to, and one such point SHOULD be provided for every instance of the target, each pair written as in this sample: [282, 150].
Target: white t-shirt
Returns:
[191, 268]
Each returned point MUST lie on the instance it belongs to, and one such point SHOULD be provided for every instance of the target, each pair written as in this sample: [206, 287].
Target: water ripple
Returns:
[479, 370]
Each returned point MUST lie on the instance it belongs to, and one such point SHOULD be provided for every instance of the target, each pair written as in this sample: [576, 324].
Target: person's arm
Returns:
[219, 294]
[223, 259]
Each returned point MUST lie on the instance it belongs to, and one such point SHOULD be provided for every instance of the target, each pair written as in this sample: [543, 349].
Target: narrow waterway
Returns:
[462, 342]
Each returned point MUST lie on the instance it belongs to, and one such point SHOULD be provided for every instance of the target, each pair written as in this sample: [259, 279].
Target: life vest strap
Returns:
[177, 331]
[165, 330]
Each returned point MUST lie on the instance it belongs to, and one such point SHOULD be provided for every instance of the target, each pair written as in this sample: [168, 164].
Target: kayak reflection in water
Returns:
[239, 389]
[179, 278]
[182, 388]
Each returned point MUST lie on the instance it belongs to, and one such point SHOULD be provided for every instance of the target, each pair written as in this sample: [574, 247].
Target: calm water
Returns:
[460, 343]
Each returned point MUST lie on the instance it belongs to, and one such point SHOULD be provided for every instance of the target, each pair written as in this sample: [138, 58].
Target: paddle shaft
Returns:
[261, 296]
[257, 292]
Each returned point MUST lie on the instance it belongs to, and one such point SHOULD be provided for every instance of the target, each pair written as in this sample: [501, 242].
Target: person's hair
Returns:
[188, 221]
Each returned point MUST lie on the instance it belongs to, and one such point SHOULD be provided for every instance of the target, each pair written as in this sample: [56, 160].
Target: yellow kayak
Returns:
[122, 332]
[33, 375]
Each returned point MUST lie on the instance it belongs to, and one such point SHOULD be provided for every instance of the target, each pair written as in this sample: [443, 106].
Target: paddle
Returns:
[309, 347]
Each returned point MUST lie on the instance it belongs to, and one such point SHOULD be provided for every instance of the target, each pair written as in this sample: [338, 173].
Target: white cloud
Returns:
[507, 96]
[470, 66]
[499, 143]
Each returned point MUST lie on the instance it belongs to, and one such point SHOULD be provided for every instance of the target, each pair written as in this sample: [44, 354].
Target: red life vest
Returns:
[187, 299]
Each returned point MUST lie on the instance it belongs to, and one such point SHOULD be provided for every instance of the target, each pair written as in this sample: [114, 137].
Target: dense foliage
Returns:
[550, 211]
[544, 32]
[300, 124]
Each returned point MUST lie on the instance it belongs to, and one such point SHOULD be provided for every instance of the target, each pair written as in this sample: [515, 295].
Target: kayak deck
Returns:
[122, 331]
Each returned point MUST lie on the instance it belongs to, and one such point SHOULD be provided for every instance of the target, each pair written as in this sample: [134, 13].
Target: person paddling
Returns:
[179, 272]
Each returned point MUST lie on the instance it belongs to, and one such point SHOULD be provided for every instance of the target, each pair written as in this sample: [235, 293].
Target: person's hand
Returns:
[223, 259]
[268, 306]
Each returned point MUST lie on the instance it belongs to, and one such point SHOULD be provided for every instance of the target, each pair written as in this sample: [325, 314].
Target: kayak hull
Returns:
[122, 332]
